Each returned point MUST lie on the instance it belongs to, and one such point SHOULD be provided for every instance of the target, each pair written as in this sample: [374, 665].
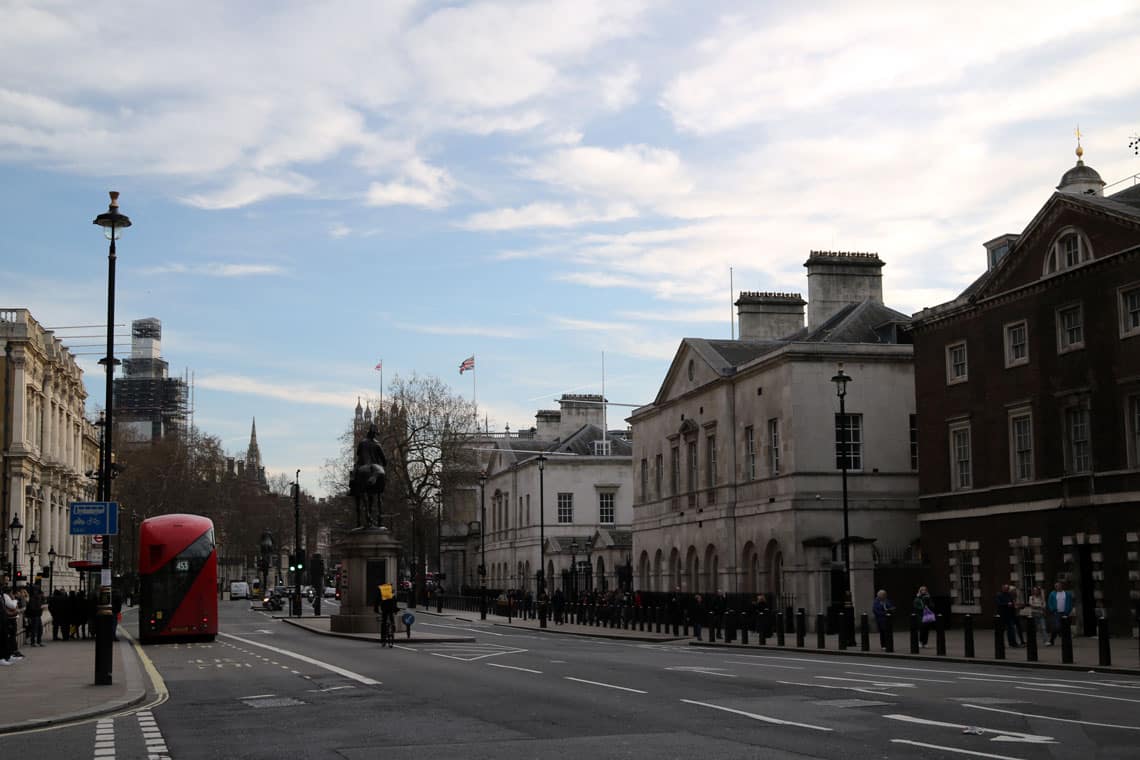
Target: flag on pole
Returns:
[379, 366]
[467, 364]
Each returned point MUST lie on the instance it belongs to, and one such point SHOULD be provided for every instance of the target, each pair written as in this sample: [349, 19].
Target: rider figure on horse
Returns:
[368, 476]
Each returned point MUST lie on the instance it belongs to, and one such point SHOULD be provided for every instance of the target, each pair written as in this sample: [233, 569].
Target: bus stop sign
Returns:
[93, 518]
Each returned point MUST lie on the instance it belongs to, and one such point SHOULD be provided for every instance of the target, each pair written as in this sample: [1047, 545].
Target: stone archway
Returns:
[749, 563]
[675, 574]
[712, 568]
[643, 571]
[659, 579]
[774, 566]
[600, 575]
[692, 571]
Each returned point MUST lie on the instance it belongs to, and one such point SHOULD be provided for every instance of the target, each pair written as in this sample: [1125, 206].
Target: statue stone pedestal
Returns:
[368, 558]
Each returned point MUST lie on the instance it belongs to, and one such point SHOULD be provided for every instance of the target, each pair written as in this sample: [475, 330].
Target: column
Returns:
[19, 402]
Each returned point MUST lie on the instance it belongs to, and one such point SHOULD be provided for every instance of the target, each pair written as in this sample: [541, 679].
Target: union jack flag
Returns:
[467, 364]
[379, 365]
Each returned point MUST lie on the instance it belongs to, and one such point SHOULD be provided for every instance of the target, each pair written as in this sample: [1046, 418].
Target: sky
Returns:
[556, 188]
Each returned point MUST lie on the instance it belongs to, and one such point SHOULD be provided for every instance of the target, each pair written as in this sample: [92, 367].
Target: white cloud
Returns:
[545, 214]
[216, 269]
[638, 174]
[250, 189]
[485, 331]
[619, 88]
[339, 230]
[301, 394]
[420, 185]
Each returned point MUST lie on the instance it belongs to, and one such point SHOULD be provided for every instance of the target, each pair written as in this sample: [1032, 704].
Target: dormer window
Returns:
[1069, 250]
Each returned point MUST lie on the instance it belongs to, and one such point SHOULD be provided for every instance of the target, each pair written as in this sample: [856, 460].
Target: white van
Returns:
[239, 590]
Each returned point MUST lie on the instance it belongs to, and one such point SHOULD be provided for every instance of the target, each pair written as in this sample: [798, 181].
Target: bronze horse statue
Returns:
[366, 484]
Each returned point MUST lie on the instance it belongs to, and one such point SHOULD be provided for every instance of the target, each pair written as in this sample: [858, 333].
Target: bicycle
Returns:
[387, 630]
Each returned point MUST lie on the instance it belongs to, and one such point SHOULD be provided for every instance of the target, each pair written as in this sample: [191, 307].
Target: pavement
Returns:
[56, 682]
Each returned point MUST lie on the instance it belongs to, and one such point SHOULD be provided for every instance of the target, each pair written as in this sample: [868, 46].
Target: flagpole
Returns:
[381, 385]
[474, 393]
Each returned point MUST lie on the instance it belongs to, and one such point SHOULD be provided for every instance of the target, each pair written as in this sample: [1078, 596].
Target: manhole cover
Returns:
[273, 702]
[843, 703]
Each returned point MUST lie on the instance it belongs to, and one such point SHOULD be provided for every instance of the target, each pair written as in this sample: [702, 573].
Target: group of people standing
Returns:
[72, 617]
[1046, 611]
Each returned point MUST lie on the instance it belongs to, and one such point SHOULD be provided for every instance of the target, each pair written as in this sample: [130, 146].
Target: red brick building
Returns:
[1028, 397]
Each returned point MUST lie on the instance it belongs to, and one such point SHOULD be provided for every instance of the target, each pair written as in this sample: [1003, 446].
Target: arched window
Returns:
[1069, 249]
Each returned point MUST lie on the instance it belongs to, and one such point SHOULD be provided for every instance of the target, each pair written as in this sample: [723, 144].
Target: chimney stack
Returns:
[769, 316]
[837, 279]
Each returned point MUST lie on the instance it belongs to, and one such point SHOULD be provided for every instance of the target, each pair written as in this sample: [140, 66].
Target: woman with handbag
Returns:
[924, 612]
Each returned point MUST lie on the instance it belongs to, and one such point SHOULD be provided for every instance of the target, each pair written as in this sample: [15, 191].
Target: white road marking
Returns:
[256, 696]
[954, 749]
[512, 667]
[1001, 735]
[859, 689]
[755, 716]
[1015, 681]
[406, 649]
[763, 665]
[876, 684]
[607, 685]
[909, 678]
[700, 669]
[462, 628]
[1080, 694]
[297, 656]
[1051, 717]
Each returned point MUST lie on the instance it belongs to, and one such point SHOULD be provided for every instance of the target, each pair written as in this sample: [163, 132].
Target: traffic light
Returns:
[292, 562]
[300, 562]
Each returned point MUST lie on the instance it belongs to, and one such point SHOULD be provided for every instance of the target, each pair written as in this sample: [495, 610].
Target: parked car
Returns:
[330, 592]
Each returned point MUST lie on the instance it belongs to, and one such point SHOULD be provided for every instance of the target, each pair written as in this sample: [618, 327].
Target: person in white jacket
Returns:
[8, 652]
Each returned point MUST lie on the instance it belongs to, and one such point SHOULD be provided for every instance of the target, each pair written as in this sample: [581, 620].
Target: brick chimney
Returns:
[837, 279]
[769, 316]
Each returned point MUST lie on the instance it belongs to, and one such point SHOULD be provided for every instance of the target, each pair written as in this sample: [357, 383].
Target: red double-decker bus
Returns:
[178, 578]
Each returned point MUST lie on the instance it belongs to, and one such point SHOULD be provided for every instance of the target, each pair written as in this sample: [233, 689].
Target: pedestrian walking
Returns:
[34, 617]
[57, 607]
[697, 615]
[1060, 606]
[924, 610]
[1007, 613]
[1037, 612]
[882, 609]
[9, 654]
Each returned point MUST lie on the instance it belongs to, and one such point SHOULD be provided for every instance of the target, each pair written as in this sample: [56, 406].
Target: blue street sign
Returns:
[94, 518]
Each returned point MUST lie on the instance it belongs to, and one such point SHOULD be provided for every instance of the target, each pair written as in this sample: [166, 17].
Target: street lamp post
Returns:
[589, 565]
[14, 529]
[297, 544]
[33, 546]
[113, 224]
[541, 541]
[574, 568]
[439, 554]
[841, 379]
[483, 545]
[51, 570]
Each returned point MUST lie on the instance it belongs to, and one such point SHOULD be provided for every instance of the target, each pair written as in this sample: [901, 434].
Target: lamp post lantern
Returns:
[841, 379]
[483, 545]
[14, 529]
[113, 224]
[51, 570]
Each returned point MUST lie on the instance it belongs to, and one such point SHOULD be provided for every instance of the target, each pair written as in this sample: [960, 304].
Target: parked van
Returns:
[239, 590]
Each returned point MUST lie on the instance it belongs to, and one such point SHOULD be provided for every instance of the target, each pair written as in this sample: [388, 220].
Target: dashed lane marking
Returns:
[606, 685]
[1080, 694]
[512, 667]
[1054, 718]
[999, 735]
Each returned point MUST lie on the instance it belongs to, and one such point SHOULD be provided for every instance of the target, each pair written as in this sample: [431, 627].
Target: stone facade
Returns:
[50, 445]
[736, 461]
[569, 492]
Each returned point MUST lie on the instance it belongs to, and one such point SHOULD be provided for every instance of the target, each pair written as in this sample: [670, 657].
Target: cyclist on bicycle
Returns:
[386, 609]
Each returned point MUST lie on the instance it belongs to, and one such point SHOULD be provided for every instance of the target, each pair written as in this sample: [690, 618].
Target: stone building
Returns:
[1028, 388]
[560, 492]
[49, 446]
[737, 460]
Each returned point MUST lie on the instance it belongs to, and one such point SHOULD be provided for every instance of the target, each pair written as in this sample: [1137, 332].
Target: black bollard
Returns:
[744, 630]
[779, 629]
[762, 619]
[821, 631]
[730, 627]
[999, 638]
[890, 633]
[509, 611]
[1105, 645]
[542, 614]
[842, 623]
[864, 633]
[940, 635]
[968, 635]
[914, 623]
[712, 634]
[1066, 640]
[1031, 641]
[801, 628]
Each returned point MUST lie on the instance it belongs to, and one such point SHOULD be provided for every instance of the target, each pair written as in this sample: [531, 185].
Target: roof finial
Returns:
[1080, 150]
